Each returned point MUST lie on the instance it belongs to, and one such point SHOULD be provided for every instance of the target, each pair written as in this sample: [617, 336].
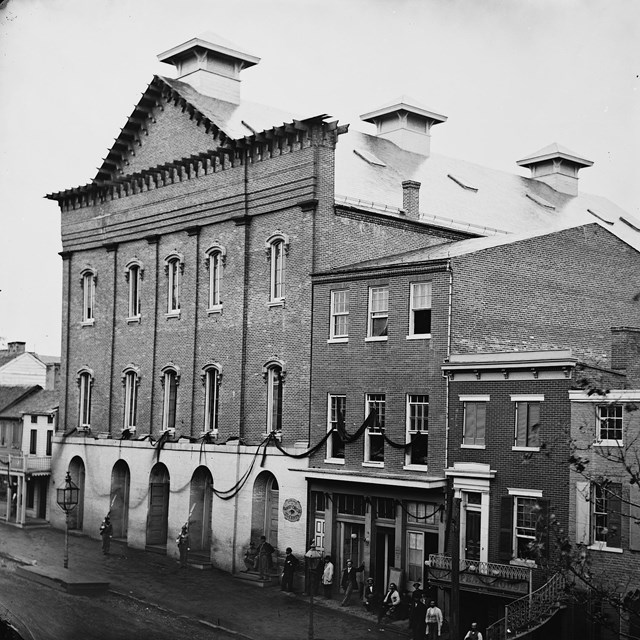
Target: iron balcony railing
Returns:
[488, 569]
[524, 615]
[27, 463]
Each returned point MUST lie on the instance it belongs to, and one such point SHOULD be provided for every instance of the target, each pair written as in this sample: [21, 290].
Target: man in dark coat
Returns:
[264, 557]
[290, 565]
[106, 531]
[418, 615]
[349, 581]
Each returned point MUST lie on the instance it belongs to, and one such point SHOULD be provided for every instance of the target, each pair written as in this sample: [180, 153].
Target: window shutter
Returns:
[543, 537]
[521, 424]
[582, 513]
[614, 515]
[481, 422]
[634, 518]
[505, 551]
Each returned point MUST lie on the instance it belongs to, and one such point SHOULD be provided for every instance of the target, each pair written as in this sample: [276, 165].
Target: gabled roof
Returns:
[9, 396]
[552, 151]
[404, 103]
[38, 402]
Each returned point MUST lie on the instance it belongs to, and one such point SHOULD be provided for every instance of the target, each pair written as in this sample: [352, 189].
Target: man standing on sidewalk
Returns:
[264, 557]
[290, 566]
[327, 577]
[183, 545]
[106, 531]
[349, 581]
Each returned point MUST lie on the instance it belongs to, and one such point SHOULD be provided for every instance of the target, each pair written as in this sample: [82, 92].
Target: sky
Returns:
[511, 75]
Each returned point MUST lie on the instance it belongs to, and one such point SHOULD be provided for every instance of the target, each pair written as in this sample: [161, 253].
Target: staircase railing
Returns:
[529, 612]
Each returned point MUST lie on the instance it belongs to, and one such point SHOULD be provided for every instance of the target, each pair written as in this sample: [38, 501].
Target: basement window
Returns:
[369, 157]
[541, 201]
[462, 183]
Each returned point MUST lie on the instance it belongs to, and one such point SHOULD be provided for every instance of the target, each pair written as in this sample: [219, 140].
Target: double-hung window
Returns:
[527, 421]
[524, 532]
[85, 382]
[131, 382]
[599, 515]
[88, 296]
[475, 421]
[417, 429]
[420, 310]
[378, 313]
[211, 386]
[170, 401]
[609, 424]
[336, 413]
[374, 437]
[339, 330]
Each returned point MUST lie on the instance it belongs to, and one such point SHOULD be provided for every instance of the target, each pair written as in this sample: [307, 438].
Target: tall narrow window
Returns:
[134, 274]
[130, 400]
[527, 424]
[215, 279]
[33, 444]
[415, 555]
[337, 413]
[170, 378]
[374, 440]
[84, 382]
[417, 429]
[475, 424]
[173, 286]
[211, 383]
[88, 297]
[609, 424]
[274, 398]
[339, 315]
[420, 315]
[49, 441]
[277, 269]
[378, 312]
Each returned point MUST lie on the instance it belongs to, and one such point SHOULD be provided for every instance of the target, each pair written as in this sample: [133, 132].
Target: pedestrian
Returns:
[390, 602]
[250, 556]
[418, 616]
[415, 597]
[264, 558]
[370, 597]
[433, 618]
[183, 545]
[473, 633]
[290, 565]
[327, 577]
[106, 532]
[349, 581]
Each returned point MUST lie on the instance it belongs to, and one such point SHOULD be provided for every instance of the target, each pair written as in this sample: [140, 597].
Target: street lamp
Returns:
[313, 557]
[67, 499]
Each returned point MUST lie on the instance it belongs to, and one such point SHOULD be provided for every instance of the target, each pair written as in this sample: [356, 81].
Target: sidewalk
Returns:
[234, 606]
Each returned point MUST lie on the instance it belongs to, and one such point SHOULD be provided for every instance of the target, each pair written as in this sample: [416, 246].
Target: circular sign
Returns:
[292, 510]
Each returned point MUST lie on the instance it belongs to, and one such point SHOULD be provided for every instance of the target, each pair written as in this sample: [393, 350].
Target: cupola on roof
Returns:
[211, 65]
[406, 123]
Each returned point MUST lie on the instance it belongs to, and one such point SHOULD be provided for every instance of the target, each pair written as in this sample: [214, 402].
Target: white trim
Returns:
[525, 493]
[474, 398]
[602, 546]
[376, 339]
[473, 446]
[215, 310]
[333, 315]
[420, 468]
[369, 463]
[276, 302]
[337, 340]
[527, 397]
[613, 397]
[334, 461]
[418, 336]
[515, 448]
[413, 309]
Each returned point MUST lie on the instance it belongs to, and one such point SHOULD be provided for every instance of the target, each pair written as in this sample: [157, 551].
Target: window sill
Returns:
[473, 446]
[88, 323]
[278, 302]
[337, 340]
[172, 314]
[608, 443]
[601, 546]
[215, 310]
[419, 336]
[376, 339]
[134, 320]
[334, 461]
[525, 448]
[416, 467]
[377, 465]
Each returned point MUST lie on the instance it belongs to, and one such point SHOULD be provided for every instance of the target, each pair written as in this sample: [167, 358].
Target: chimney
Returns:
[406, 124]
[16, 348]
[211, 65]
[411, 198]
[625, 353]
[52, 380]
[556, 166]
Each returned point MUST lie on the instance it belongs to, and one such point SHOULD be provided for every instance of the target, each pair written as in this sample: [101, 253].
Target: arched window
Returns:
[274, 374]
[88, 280]
[133, 274]
[85, 382]
[131, 381]
[211, 378]
[170, 381]
[277, 249]
[215, 259]
[174, 267]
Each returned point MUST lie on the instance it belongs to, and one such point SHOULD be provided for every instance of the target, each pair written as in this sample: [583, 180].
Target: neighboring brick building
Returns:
[200, 354]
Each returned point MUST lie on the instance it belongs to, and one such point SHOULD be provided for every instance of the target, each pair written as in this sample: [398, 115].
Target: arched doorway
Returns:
[200, 504]
[158, 514]
[264, 519]
[77, 473]
[119, 500]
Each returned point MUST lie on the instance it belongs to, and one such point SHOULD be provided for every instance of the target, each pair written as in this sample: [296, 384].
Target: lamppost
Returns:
[313, 557]
[67, 499]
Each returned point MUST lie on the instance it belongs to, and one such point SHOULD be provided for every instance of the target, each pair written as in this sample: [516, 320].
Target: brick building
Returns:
[202, 361]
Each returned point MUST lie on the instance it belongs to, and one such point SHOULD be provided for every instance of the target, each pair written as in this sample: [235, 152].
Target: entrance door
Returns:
[43, 485]
[350, 543]
[472, 536]
[385, 556]
[200, 511]
[119, 502]
[272, 512]
[158, 508]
